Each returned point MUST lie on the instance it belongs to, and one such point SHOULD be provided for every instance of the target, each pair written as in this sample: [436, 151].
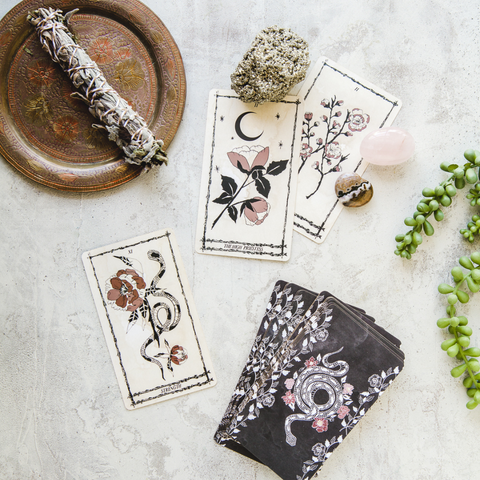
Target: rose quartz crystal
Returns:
[387, 146]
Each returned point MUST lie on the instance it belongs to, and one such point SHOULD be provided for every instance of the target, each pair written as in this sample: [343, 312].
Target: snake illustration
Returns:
[307, 385]
[171, 309]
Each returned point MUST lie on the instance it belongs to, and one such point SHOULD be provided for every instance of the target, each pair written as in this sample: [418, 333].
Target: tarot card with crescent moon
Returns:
[340, 109]
[249, 178]
[149, 319]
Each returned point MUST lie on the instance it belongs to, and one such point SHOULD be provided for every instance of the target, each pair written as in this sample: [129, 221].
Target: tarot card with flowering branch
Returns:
[249, 177]
[149, 320]
[340, 109]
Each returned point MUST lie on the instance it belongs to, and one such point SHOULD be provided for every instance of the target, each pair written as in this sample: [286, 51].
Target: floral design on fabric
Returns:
[253, 162]
[128, 291]
[338, 124]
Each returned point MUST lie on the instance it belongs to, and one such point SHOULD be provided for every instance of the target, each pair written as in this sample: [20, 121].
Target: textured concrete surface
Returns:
[61, 412]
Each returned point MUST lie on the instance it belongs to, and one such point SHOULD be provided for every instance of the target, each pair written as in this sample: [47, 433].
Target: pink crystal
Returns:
[387, 146]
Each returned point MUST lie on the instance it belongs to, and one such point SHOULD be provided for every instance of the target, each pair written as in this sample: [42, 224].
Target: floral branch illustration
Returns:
[330, 148]
[255, 209]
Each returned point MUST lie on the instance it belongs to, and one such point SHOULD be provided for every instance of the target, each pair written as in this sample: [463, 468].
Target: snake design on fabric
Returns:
[307, 384]
[171, 309]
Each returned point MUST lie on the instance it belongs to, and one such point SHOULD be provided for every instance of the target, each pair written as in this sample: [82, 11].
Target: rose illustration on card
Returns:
[252, 162]
[249, 177]
[127, 291]
[149, 319]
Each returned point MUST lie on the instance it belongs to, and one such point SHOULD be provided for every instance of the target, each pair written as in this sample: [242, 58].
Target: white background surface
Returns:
[61, 412]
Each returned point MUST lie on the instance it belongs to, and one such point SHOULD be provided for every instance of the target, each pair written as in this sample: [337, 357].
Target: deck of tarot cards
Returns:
[316, 366]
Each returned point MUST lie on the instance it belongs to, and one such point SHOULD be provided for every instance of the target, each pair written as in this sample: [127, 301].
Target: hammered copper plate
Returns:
[47, 135]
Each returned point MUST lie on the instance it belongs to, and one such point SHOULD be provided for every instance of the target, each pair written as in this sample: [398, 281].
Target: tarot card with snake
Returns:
[149, 319]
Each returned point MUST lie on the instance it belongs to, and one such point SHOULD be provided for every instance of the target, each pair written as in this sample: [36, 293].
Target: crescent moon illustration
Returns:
[239, 130]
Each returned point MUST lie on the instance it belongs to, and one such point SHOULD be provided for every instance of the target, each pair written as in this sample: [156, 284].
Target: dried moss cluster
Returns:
[276, 61]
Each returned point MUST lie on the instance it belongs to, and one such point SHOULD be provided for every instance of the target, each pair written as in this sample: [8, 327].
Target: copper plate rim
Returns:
[166, 60]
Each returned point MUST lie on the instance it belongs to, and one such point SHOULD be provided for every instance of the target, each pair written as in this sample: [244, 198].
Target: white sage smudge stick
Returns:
[125, 127]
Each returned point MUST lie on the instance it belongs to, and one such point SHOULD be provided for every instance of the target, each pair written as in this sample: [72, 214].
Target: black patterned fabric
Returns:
[316, 366]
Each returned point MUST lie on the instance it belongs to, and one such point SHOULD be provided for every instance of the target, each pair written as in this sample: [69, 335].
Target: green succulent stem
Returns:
[473, 227]
[433, 201]
[459, 346]
[438, 198]
[464, 358]
[471, 374]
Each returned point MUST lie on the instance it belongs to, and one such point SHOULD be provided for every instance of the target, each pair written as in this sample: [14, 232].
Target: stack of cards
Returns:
[316, 366]
[270, 168]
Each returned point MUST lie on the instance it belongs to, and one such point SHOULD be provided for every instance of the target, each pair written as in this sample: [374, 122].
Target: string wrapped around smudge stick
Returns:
[125, 127]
